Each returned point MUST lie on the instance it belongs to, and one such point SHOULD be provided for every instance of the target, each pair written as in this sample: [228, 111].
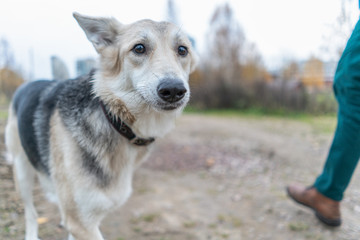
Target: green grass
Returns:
[150, 217]
[189, 224]
[254, 112]
[322, 124]
[298, 226]
[325, 123]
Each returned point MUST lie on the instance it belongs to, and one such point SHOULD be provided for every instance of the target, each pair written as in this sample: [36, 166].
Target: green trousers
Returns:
[345, 149]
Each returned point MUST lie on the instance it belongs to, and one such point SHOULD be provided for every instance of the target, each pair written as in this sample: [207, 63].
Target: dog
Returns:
[84, 138]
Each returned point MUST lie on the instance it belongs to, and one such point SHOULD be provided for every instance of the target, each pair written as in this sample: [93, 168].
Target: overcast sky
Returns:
[279, 28]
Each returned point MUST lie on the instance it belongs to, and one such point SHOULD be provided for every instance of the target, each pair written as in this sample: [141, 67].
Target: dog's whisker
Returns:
[156, 75]
[179, 30]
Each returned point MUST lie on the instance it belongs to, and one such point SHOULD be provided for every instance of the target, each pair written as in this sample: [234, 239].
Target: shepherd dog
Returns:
[83, 138]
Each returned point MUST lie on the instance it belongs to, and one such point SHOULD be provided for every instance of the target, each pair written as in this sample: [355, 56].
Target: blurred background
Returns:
[271, 56]
[261, 115]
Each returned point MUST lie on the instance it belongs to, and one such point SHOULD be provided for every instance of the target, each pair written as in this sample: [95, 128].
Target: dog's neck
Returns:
[114, 104]
[118, 108]
[124, 130]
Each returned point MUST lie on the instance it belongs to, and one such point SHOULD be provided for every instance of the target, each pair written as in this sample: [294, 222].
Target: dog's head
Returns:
[146, 63]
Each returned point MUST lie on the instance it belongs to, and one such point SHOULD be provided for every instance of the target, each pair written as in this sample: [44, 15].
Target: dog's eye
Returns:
[139, 49]
[182, 51]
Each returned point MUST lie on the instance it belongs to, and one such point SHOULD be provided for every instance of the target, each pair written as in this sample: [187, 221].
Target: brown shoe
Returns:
[326, 209]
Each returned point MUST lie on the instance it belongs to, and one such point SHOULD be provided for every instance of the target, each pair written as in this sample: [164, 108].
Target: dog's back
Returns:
[23, 147]
[33, 105]
[25, 103]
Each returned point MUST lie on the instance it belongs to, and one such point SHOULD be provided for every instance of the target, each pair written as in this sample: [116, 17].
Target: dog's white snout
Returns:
[171, 90]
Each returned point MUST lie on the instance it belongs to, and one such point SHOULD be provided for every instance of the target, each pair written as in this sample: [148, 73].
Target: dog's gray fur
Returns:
[59, 127]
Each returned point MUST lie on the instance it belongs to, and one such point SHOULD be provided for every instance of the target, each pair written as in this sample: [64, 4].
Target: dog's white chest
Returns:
[100, 202]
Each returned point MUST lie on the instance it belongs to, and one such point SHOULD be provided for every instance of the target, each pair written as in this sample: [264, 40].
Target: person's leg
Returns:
[325, 195]
[342, 158]
[345, 149]
[327, 192]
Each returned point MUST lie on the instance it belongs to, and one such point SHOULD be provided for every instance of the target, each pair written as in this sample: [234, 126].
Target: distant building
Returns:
[329, 72]
[59, 69]
[317, 74]
[84, 66]
[312, 74]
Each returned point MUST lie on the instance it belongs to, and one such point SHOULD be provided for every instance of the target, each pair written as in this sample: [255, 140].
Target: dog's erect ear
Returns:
[101, 32]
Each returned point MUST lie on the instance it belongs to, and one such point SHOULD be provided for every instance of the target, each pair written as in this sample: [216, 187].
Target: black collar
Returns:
[124, 129]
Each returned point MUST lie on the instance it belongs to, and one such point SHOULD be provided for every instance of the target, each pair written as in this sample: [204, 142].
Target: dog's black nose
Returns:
[171, 90]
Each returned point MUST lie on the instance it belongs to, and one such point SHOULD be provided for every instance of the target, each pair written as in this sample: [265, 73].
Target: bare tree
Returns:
[6, 55]
[230, 65]
[290, 71]
[10, 74]
[225, 43]
[340, 30]
[253, 69]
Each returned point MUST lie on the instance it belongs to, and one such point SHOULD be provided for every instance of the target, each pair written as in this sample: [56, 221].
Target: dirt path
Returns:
[213, 178]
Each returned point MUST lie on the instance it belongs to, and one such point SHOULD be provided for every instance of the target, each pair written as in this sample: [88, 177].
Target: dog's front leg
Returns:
[78, 231]
[71, 237]
[78, 226]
